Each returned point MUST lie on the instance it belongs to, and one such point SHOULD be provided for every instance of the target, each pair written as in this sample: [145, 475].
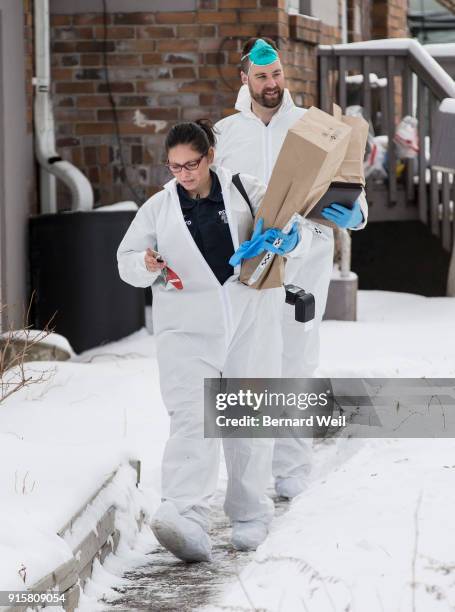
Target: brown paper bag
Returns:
[351, 169]
[310, 157]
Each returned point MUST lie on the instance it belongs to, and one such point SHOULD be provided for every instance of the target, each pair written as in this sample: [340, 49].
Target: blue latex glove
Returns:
[250, 248]
[261, 242]
[343, 216]
[289, 241]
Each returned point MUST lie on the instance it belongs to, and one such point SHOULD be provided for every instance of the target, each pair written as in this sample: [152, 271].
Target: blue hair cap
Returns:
[262, 54]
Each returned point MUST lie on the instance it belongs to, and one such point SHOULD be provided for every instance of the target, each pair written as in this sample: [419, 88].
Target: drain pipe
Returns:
[52, 166]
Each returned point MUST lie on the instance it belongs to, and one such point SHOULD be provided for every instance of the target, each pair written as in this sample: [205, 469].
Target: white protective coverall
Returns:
[245, 144]
[202, 331]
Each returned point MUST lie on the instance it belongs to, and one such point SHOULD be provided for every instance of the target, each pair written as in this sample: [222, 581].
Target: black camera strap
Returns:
[238, 183]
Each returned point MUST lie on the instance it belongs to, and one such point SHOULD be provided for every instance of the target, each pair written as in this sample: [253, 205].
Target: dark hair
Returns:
[245, 63]
[199, 134]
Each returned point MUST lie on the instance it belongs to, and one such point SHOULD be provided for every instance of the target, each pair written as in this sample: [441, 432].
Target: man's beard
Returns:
[267, 101]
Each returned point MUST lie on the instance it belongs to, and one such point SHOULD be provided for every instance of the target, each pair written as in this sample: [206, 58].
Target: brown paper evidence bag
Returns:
[319, 149]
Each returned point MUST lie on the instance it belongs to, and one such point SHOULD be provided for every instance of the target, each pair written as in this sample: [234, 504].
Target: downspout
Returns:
[52, 166]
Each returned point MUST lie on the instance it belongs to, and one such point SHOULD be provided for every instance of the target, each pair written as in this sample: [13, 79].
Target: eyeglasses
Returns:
[190, 165]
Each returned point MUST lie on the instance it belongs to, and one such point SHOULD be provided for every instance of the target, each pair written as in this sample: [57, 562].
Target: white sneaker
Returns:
[247, 535]
[289, 487]
[181, 536]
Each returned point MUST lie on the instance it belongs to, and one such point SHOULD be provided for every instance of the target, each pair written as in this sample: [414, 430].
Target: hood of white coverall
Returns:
[246, 144]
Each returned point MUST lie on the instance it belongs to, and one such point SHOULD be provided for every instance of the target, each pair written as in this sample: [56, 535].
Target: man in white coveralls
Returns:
[249, 141]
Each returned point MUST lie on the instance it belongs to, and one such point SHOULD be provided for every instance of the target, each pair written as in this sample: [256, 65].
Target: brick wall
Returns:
[358, 20]
[163, 67]
[389, 18]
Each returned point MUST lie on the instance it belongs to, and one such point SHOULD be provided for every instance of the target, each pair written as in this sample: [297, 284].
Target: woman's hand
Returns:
[151, 262]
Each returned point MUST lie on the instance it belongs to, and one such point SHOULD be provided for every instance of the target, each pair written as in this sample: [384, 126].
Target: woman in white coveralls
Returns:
[215, 325]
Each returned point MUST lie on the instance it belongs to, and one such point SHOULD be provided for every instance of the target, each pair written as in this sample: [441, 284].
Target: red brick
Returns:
[124, 60]
[64, 101]
[116, 87]
[104, 154]
[196, 31]
[90, 157]
[126, 116]
[127, 128]
[137, 155]
[177, 17]
[89, 74]
[199, 86]
[61, 20]
[115, 32]
[217, 17]
[241, 4]
[156, 32]
[91, 59]
[74, 115]
[215, 99]
[259, 17]
[94, 46]
[94, 175]
[216, 72]
[184, 72]
[84, 33]
[180, 58]
[108, 115]
[240, 29]
[176, 45]
[62, 74]
[90, 19]
[133, 45]
[69, 60]
[95, 128]
[63, 46]
[93, 101]
[214, 58]
[76, 87]
[134, 18]
[68, 142]
[135, 101]
[76, 157]
[211, 44]
[80, 34]
[281, 4]
[149, 59]
[233, 57]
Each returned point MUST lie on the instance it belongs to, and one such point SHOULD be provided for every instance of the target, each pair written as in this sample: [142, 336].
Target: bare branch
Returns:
[15, 350]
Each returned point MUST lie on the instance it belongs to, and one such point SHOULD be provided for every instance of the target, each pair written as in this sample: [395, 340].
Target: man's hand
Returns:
[343, 216]
[151, 262]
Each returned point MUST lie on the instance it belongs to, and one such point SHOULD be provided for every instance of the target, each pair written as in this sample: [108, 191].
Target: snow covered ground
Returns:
[61, 439]
[396, 334]
[375, 519]
[374, 533]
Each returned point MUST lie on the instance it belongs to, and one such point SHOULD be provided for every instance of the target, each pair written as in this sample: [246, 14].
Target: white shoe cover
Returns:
[289, 487]
[181, 536]
[247, 535]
